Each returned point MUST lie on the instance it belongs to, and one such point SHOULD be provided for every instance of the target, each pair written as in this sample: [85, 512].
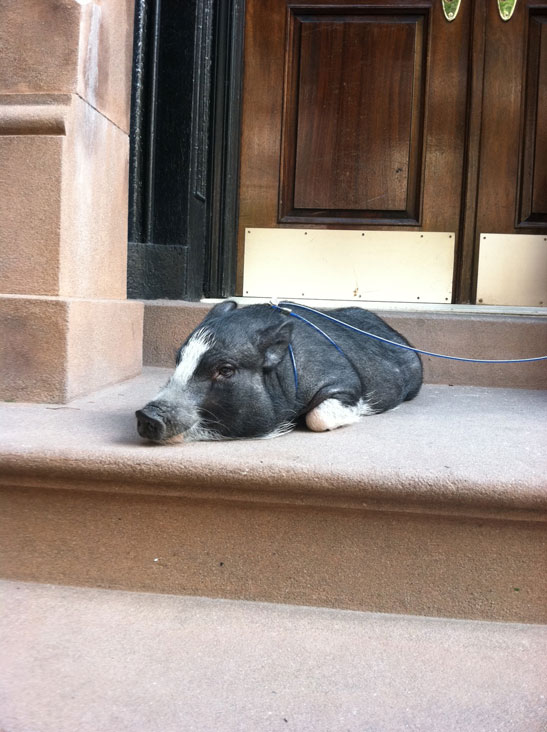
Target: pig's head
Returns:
[224, 385]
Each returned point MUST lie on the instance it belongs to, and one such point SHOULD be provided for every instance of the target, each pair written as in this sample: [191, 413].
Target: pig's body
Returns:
[235, 377]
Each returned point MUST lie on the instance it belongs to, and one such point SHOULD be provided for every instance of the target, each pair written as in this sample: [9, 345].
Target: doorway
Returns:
[381, 137]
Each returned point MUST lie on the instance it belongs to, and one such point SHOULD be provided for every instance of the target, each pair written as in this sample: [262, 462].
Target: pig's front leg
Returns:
[331, 414]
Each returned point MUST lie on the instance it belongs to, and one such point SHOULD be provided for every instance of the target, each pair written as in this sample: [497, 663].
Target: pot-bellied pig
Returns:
[256, 371]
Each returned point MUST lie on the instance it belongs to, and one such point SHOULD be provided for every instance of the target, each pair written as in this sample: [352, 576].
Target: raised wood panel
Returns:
[352, 145]
[533, 187]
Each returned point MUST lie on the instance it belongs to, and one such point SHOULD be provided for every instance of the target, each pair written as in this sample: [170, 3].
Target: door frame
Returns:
[194, 255]
[466, 264]
[184, 148]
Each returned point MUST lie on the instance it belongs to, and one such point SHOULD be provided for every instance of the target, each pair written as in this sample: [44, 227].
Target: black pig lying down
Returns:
[235, 376]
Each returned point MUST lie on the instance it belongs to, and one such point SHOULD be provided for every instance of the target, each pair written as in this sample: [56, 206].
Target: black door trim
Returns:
[184, 156]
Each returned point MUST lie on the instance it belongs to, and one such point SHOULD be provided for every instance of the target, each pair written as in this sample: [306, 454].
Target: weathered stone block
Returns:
[55, 349]
[30, 212]
[106, 55]
[65, 84]
[33, 333]
[93, 261]
[40, 45]
[69, 46]
[63, 198]
[104, 344]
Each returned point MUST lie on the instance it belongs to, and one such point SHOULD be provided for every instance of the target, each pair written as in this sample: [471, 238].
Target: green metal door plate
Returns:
[450, 9]
[506, 8]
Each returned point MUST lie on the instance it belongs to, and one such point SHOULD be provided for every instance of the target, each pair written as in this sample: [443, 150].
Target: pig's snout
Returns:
[150, 424]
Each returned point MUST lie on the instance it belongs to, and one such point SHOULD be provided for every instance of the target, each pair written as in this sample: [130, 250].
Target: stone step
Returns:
[475, 334]
[436, 508]
[101, 660]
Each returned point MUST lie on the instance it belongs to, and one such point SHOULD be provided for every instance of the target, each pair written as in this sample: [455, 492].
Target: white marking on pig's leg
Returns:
[331, 414]
[191, 355]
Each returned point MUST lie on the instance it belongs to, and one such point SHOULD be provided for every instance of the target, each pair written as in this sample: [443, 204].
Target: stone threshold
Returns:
[453, 330]
[454, 450]
[407, 307]
[88, 659]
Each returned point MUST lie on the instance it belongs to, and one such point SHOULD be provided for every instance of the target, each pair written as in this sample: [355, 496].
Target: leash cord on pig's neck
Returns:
[286, 307]
[295, 372]
[291, 352]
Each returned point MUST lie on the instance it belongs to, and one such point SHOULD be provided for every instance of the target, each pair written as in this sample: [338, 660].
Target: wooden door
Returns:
[512, 159]
[370, 116]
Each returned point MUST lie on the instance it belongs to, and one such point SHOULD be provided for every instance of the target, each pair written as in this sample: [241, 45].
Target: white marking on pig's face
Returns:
[191, 355]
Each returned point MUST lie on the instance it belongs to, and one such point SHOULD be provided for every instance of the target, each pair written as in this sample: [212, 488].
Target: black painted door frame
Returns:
[184, 159]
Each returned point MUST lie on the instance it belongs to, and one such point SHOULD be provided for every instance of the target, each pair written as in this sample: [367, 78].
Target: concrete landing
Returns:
[77, 660]
[457, 449]
[437, 508]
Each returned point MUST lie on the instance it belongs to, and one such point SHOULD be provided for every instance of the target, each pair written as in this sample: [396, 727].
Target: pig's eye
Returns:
[224, 372]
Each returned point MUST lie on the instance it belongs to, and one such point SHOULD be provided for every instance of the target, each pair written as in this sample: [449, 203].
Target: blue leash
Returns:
[285, 307]
[295, 372]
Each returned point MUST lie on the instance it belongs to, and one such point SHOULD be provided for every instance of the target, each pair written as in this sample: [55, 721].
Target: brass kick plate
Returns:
[512, 270]
[349, 265]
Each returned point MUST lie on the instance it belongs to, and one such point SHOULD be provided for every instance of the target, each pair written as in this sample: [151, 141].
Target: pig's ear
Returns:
[222, 308]
[273, 343]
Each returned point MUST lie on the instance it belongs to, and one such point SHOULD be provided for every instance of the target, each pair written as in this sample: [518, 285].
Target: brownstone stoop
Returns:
[385, 576]
[401, 561]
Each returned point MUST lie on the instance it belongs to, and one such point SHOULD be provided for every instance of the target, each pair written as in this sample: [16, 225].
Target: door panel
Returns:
[533, 184]
[354, 79]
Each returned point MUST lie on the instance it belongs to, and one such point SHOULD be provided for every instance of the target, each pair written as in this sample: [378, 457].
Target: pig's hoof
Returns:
[331, 414]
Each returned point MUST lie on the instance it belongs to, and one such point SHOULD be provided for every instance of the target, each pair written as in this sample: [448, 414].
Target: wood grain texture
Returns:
[533, 183]
[383, 116]
[504, 76]
[261, 118]
[354, 115]
[465, 268]
[506, 155]
[359, 83]
[539, 200]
